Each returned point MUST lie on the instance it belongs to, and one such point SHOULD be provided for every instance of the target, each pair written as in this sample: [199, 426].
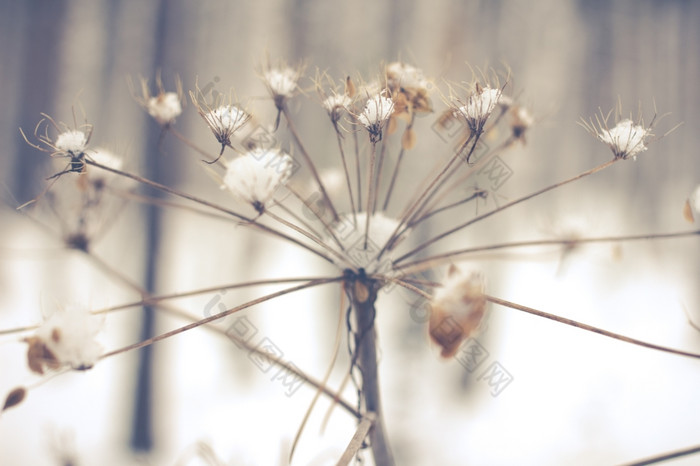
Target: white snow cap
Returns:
[626, 139]
[335, 102]
[282, 82]
[406, 76]
[165, 107]
[351, 235]
[459, 290]
[480, 105]
[255, 176]
[70, 336]
[73, 141]
[377, 110]
[226, 119]
[106, 158]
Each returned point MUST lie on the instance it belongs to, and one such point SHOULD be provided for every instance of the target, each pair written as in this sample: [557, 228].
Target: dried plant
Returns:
[365, 233]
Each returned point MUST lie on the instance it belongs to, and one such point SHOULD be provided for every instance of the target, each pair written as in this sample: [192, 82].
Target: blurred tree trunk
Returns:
[157, 168]
[40, 67]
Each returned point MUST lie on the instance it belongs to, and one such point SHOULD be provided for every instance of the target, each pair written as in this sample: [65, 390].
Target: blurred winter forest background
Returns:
[574, 397]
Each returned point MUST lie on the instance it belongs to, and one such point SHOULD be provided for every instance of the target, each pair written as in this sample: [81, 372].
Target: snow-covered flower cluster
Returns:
[377, 111]
[164, 107]
[407, 76]
[281, 82]
[626, 139]
[254, 176]
[107, 158]
[335, 104]
[409, 88]
[521, 120]
[457, 309]
[66, 338]
[224, 121]
[72, 142]
[69, 142]
[479, 106]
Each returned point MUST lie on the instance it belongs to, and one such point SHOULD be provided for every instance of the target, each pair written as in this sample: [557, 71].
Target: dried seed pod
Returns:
[457, 310]
[40, 356]
[350, 89]
[14, 398]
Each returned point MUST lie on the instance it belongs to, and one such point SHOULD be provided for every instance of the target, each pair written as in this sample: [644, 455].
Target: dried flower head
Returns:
[520, 121]
[402, 75]
[457, 309]
[255, 176]
[102, 156]
[377, 111]
[335, 104]
[14, 398]
[69, 142]
[66, 338]
[107, 158]
[281, 82]
[335, 99]
[478, 107]
[222, 116]
[409, 89]
[164, 107]
[72, 142]
[626, 139]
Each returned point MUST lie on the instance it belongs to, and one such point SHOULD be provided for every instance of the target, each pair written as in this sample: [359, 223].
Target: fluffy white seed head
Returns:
[254, 177]
[70, 335]
[165, 107]
[626, 139]
[73, 141]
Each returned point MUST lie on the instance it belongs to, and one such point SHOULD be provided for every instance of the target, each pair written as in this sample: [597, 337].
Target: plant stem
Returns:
[390, 190]
[309, 162]
[244, 220]
[363, 293]
[432, 261]
[590, 328]
[666, 456]
[339, 137]
[504, 207]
